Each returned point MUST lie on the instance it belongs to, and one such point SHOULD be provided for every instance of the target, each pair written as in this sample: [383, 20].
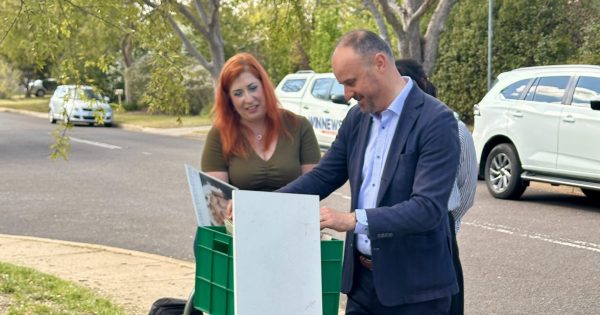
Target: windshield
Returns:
[84, 94]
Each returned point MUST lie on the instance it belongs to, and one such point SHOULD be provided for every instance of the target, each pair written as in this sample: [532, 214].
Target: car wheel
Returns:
[591, 194]
[51, 118]
[107, 124]
[503, 173]
[40, 93]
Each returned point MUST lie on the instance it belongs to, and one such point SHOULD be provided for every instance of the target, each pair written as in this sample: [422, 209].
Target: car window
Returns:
[321, 88]
[88, 94]
[587, 89]
[293, 85]
[513, 91]
[60, 92]
[337, 88]
[550, 89]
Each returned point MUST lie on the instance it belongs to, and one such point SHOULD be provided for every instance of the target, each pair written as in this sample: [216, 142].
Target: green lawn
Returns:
[160, 121]
[139, 118]
[32, 104]
[24, 291]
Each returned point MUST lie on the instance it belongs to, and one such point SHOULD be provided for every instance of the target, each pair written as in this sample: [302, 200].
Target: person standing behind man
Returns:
[254, 144]
[463, 192]
[399, 148]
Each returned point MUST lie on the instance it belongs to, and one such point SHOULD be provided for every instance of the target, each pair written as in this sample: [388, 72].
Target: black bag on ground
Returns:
[170, 306]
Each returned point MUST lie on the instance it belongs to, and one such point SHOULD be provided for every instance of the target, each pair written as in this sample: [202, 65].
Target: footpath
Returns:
[128, 278]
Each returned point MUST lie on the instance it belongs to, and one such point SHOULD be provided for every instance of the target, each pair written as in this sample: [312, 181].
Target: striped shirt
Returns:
[463, 191]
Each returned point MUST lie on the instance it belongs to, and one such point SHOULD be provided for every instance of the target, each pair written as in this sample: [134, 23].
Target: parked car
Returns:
[40, 88]
[540, 124]
[79, 104]
[317, 96]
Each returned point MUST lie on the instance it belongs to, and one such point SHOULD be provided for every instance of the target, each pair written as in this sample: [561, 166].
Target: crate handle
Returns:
[221, 246]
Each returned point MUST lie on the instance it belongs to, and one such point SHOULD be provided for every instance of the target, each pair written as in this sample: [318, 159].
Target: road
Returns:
[538, 255]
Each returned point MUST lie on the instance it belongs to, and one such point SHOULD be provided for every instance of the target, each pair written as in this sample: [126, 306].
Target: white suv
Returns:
[319, 97]
[539, 124]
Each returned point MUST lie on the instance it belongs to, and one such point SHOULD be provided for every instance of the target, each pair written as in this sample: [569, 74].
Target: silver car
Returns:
[79, 104]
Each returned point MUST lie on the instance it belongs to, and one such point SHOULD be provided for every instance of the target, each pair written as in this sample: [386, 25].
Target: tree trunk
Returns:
[126, 49]
[204, 22]
[405, 18]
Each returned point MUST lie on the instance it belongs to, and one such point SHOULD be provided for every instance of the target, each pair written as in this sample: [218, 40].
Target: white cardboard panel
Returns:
[276, 251]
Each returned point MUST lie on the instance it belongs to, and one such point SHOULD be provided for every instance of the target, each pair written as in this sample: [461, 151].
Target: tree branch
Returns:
[416, 16]
[13, 23]
[391, 18]
[193, 20]
[433, 33]
[200, 9]
[378, 20]
[190, 47]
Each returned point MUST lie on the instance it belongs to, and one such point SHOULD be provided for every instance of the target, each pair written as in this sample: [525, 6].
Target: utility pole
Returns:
[490, 36]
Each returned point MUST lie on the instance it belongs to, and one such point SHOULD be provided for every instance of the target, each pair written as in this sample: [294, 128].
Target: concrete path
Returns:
[128, 278]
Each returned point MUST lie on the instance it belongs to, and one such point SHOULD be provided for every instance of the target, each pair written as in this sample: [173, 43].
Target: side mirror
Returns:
[338, 99]
[595, 104]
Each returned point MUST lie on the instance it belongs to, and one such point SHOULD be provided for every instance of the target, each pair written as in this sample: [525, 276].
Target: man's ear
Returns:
[380, 61]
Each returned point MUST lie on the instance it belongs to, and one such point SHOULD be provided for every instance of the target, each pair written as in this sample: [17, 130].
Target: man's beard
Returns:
[367, 107]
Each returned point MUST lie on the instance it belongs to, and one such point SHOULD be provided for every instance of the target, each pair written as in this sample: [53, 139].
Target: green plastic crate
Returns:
[214, 272]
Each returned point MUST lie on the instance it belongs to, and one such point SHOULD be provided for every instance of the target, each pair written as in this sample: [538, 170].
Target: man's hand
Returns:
[229, 211]
[336, 220]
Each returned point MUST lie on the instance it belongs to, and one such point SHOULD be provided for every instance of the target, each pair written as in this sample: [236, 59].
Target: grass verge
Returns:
[139, 118]
[32, 104]
[26, 291]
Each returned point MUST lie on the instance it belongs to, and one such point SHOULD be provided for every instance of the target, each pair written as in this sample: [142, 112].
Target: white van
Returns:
[317, 96]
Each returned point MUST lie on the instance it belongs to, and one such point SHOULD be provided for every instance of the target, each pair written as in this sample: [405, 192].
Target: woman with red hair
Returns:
[255, 144]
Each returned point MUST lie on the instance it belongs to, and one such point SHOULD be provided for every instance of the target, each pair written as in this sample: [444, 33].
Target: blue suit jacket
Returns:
[409, 229]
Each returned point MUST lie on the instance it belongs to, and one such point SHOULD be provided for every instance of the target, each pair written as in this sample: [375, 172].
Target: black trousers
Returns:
[363, 300]
[457, 306]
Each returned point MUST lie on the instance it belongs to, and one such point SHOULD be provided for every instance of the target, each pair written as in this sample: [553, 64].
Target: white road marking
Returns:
[536, 236]
[99, 144]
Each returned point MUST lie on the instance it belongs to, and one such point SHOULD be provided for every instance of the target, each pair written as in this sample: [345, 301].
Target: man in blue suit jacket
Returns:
[400, 150]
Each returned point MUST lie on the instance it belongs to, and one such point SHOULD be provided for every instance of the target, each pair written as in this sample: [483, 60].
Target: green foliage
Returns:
[586, 14]
[461, 70]
[138, 75]
[531, 34]
[9, 80]
[62, 144]
[324, 36]
[199, 90]
[31, 292]
[165, 93]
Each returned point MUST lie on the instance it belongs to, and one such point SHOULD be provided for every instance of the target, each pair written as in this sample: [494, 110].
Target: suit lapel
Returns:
[408, 118]
[358, 155]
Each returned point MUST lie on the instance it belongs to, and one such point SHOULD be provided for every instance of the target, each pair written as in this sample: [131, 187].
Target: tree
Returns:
[9, 79]
[59, 38]
[203, 18]
[404, 17]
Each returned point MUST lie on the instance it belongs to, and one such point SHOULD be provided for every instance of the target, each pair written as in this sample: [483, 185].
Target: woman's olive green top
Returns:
[254, 173]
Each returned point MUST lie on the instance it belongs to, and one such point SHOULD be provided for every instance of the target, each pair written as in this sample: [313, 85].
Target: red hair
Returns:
[227, 119]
